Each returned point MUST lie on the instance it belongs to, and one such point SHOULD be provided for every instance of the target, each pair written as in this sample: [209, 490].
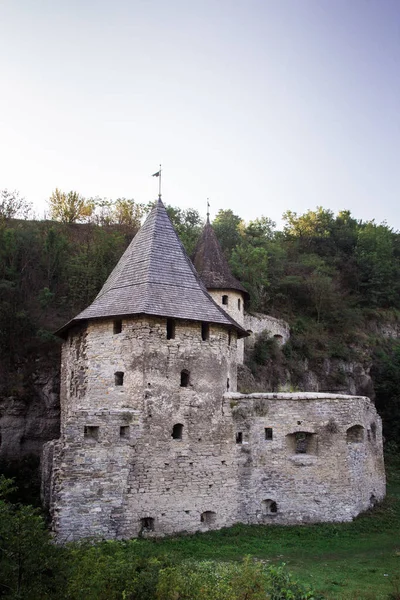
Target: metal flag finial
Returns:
[208, 210]
[158, 174]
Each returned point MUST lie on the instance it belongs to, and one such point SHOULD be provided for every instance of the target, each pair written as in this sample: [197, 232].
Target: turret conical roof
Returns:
[156, 277]
[211, 264]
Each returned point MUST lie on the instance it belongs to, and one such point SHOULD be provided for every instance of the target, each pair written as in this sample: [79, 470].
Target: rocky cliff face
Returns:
[30, 413]
[335, 376]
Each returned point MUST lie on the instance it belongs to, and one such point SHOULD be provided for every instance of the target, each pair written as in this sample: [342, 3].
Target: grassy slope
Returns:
[358, 560]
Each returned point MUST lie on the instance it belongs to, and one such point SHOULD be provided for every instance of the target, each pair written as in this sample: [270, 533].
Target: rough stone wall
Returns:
[144, 455]
[334, 480]
[257, 323]
[30, 418]
[118, 466]
[235, 309]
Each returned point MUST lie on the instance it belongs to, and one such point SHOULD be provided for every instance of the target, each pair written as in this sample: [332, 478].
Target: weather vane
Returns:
[158, 174]
[208, 210]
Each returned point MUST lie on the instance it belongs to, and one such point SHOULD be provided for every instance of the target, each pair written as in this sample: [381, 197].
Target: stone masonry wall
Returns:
[153, 442]
[235, 309]
[297, 452]
[257, 323]
[119, 472]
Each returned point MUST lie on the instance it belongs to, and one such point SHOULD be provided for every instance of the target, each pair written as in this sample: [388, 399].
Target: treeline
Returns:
[335, 278]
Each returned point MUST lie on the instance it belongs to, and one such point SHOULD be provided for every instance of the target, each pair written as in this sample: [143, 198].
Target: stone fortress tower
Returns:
[154, 437]
[223, 287]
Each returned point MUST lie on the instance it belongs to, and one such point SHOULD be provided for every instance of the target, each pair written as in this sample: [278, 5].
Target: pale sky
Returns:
[261, 105]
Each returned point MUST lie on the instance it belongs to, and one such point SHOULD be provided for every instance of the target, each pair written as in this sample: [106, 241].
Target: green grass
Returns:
[357, 561]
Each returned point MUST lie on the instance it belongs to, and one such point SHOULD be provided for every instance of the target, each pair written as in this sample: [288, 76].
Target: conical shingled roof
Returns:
[155, 277]
[211, 264]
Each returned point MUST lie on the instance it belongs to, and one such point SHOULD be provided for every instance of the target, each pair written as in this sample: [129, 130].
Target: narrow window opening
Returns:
[119, 378]
[147, 524]
[124, 431]
[208, 517]
[91, 432]
[269, 507]
[239, 437]
[229, 337]
[170, 329]
[177, 431]
[117, 328]
[225, 300]
[373, 431]
[227, 384]
[268, 433]
[185, 378]
[205, 331]
[239, 304]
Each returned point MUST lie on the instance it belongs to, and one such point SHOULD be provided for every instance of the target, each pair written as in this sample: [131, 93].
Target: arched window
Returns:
[177, 431]
[355, 434]
[269, 507]
[208, 517]
[185, 378]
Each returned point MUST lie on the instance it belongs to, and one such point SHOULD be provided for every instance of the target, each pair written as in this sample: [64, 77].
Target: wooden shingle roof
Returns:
[211, 264]
[155, 277]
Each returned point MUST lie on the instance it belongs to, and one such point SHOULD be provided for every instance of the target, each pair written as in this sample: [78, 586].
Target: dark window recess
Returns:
[225, 300]
[373, 430]
[185, 378]
[302, 442]
[239, 437]
[170, 329]
[119, 378]
[268, 433]
[355, 434]
[117, 326]
[269, 507]
[147, 524]
[205, 331]
[208, 517]
[177, 431]
[91, 432]
[229, 337]
[124, 431]
[227, 384]
[239, 304]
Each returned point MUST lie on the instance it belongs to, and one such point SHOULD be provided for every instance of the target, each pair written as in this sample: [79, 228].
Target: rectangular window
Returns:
[124, 431]
[91, 432]
[268, 433]
[117, 328]
[170, 329]
[119, 378]
[205, 331]
[239, 437]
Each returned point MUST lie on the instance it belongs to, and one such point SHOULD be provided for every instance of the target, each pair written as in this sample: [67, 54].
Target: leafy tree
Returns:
[69, 207]
[29, 565]
[378, 266]
[12, 205]
[188, 225]
[227, 229]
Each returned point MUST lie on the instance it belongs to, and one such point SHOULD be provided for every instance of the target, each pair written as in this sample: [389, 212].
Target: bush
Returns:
[249, 580]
